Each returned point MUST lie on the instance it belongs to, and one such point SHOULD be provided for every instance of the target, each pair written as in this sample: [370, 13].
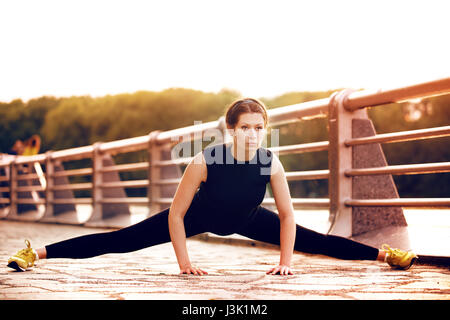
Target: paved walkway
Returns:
[235, 272]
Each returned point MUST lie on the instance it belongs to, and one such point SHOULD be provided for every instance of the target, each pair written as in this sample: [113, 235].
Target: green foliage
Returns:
[82, 120]
[19, 120]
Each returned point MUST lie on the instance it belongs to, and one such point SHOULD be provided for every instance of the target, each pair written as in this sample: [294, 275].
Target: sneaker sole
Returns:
[413, 260]
[15, 266]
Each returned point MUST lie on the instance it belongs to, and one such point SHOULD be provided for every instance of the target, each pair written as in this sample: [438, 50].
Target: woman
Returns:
[220, 192]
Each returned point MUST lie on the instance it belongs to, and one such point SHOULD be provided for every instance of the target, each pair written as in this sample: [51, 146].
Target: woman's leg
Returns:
[149, 232]
[265, 226]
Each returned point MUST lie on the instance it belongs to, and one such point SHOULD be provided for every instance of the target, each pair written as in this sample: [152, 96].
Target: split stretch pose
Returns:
[220, 192]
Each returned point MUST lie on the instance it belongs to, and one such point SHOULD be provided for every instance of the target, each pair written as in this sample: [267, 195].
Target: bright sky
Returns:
[261, 48]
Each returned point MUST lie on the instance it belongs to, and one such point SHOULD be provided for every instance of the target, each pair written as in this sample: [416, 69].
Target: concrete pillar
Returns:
[366, 219]
[371, 225]
[107, 214]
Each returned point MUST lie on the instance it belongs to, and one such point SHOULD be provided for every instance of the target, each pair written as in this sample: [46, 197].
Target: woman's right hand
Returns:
[192, 270]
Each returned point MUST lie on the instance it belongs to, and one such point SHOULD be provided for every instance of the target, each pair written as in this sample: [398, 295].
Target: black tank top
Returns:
[233, 189]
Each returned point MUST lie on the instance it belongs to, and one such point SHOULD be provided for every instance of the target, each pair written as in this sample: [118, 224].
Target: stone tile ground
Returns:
[235, 272]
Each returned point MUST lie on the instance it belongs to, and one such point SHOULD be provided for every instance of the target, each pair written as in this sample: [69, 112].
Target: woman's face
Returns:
[249, 132]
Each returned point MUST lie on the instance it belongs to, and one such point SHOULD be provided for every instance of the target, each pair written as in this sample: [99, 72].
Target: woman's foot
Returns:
[399, 259]
[23, 259]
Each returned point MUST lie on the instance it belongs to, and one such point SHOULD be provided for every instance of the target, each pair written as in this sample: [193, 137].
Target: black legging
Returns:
[262, 225]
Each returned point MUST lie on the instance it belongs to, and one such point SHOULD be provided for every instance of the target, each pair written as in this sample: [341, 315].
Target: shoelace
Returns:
[392, 252]
[386, 248]
[24, 253]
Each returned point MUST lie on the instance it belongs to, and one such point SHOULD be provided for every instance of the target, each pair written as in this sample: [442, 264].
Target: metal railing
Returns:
[19, 172]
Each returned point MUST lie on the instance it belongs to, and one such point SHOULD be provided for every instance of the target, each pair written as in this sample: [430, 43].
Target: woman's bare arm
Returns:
[193, 175]
[285, 208]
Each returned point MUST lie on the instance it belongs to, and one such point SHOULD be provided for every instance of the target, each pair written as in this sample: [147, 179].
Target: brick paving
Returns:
[236, 271]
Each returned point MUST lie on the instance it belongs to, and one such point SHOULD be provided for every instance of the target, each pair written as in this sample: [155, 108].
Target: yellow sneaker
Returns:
[23, 259]
[399, 259]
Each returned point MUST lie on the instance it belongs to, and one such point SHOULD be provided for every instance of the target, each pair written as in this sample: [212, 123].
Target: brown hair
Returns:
[240, 106]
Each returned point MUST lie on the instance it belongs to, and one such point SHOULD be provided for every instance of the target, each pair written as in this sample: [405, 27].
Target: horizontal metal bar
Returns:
[73, 186]
[277, 116]
[6, 159]
[27, 176]
[167, 181]
[5, 200]
[130, 200]
[163, 200]
[362, 99]
[402, 202]
[30, 159]
[72, 201]
[305, 110]
[300, 148]
[187, 133]
[5, 189]
[311, 203]
[307, 175]
[126, 167]
[72, 172]
[125, 145]
[180, 161]
[303, 202]
[125, 184]
[401, 136]
[29, 188]
[281, 150]
[30, 201]
[4, 178]
[73, 153]
[401, 169]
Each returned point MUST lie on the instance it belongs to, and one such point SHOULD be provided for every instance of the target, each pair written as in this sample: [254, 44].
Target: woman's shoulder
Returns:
[265, 155]
[266, 151]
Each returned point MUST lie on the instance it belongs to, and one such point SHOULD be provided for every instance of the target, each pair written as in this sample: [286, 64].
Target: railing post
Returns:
[13, 187]
[154, 173]
[339, 160]
[49, 193]
[97, 196]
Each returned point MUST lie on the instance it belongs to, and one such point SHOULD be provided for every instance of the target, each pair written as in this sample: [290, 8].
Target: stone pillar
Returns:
[154, 173]
[107, 214]
[382, 186]
[372, 225]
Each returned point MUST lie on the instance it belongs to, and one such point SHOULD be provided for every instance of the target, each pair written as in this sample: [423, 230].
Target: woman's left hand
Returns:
[281, 270]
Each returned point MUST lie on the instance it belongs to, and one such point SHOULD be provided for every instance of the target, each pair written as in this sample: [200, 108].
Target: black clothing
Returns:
[228, 202]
